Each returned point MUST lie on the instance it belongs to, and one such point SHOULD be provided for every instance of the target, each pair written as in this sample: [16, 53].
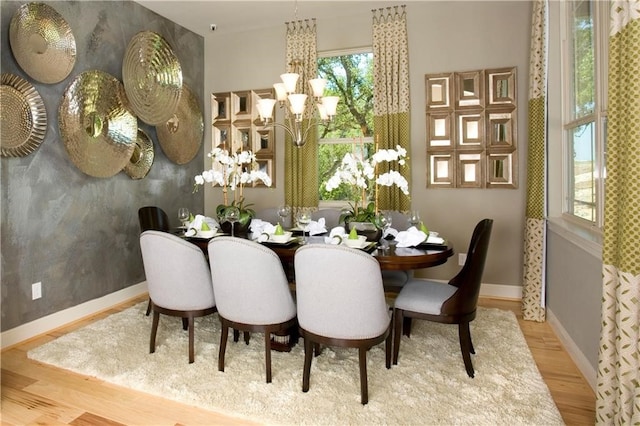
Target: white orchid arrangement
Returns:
[232, 171]
[359, 172]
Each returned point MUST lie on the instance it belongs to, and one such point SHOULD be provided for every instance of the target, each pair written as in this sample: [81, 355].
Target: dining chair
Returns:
[449, 303]
[394, 280]
[252, 292]
[331, 217]
[152, 218]
[345, 307]
[179, 281]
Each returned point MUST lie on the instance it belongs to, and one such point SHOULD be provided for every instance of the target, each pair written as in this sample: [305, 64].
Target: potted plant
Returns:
[232, 172]
[362, 173]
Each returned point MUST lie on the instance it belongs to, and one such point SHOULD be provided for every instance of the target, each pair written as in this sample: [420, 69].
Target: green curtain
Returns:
[535, 228]
[618, 384]
[391, 96]
[301, 164]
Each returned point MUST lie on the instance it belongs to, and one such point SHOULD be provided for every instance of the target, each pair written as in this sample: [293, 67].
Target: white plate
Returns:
[270, 241]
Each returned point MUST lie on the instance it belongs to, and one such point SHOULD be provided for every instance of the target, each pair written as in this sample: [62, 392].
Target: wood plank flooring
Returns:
[33, 393]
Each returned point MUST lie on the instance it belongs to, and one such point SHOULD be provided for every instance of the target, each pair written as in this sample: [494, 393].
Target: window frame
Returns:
[600, 17]
[340, 204]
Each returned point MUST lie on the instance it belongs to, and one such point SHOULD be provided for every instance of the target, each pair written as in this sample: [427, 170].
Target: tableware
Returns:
[383, 221]
[232, 215]
[360, 242]
[207, 234]
[183, 215]
[303, 218]
[281, 238]
[283, 212]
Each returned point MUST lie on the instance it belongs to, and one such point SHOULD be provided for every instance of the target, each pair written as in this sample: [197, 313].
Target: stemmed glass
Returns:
[183, 215]
[304, 219]
[414, 218]
[283, 211]
[383, 221]
[232, 215]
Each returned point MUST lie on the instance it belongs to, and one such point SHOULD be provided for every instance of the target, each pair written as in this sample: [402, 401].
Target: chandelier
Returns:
[295, 104]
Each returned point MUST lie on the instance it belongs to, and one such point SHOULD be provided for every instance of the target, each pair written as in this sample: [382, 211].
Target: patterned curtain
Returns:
[618, 385]
[535, 229]
[391, 95]
[301, 164]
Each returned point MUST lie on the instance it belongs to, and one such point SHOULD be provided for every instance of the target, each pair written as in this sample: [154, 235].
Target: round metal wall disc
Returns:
[181, 136]
[42, 42]
[152, 77]
[23, 117]
[142, 158]
[97, 125]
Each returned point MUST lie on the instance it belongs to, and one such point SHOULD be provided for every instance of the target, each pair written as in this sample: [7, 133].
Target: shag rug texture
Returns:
[428, 386]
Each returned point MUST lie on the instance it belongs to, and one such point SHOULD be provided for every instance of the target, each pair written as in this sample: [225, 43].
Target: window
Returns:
[349, 75]
[584, 115]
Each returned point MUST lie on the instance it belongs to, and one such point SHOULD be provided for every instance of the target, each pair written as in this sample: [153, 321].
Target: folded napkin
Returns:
[259, 227]
[315, 228]
[391, 231]
[411, 237]
[196, 223]
[337, 231]
[434, 239]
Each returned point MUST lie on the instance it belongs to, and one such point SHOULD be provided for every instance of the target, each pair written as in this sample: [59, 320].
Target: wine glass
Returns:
[414, 218]
[283, 211]
[183, 216]
[383, 221]
[232, 215]
[304, 219]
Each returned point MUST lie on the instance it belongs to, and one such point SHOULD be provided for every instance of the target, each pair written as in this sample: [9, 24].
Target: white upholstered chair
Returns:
[178, 279]
[345, 307]
[252, 292]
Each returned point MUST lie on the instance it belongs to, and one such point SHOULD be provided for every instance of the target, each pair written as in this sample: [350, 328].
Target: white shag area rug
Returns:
[428, 386]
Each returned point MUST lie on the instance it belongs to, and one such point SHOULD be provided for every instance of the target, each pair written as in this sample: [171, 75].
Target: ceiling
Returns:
[239, 15]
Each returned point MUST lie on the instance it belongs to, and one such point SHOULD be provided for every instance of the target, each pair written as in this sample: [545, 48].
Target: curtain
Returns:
[301, 164]
[391, 96]
[618, 383]
[535, 228]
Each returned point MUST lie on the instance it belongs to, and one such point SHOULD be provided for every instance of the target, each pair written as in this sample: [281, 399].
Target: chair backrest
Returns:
[399, 220]
[331, 217]
[177, 272]
[249, 282]
[270, 214]
[153, 218]
[339, 292]
[468, 280]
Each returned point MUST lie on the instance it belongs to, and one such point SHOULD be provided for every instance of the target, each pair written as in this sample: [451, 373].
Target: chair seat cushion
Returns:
[424, 296]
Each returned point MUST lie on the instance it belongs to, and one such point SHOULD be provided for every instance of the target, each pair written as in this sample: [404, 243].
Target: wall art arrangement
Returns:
[471, 120]
[236, 126]
[98, 114]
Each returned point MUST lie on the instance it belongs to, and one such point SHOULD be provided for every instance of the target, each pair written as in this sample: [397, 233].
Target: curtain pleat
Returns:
[301, 164]
[618, 382]
[533, 302]
[391, 95]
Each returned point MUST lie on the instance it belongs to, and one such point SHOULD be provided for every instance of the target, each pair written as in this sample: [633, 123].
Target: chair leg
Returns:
[246, 336]
[154, 331]
[306, 371]
[185, 323]
[398, 315]
[364, 388]
[223, 344]
[191, 325]
[387, 350]
[267, 354]
[236, 335]
[464, 335]
[149, 306]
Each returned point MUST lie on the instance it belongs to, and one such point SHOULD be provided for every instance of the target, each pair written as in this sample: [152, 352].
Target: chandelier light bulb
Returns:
[290, 79]
[330, 104]
[297, 101]
[281, 92]
[317, 86]
[265, 108]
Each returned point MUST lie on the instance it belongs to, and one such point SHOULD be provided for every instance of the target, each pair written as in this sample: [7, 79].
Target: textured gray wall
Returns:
[78, 234]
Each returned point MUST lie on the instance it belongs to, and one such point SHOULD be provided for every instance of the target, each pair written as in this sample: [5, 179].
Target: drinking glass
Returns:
[232, 215]
[383, 221]
[183, 216]
[414, 218]
[304, 219]
[283, 211]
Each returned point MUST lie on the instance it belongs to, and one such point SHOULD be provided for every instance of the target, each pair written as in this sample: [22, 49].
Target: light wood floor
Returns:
[33, 393]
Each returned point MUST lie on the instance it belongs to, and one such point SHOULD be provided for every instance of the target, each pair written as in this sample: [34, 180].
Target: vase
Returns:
[367, 229]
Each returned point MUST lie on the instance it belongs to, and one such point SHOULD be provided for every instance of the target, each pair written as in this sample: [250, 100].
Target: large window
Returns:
[349, 75]
[585, 110]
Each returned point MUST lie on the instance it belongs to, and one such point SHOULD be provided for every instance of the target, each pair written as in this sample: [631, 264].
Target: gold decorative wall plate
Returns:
[181, 136]
[152, 77]
[142, 158]
[23, 117]
[97, 125]
[42, 42]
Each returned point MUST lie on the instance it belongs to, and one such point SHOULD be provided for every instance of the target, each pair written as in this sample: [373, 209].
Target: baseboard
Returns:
[574, 352]
[501, 291]
[51, 322]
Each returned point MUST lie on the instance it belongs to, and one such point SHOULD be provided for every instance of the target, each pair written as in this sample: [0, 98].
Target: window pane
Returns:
[329, 158]
[582, 59]
[582, 201]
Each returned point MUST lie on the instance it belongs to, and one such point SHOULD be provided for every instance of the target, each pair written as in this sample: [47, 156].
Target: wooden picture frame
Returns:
[439, 90]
